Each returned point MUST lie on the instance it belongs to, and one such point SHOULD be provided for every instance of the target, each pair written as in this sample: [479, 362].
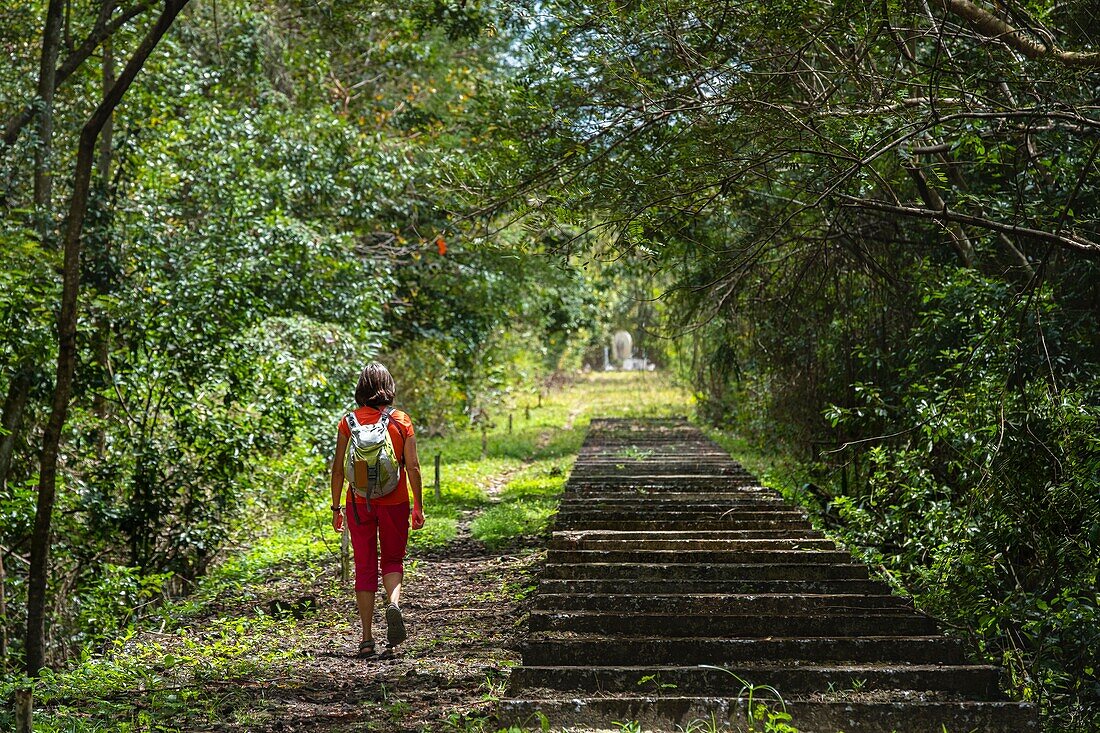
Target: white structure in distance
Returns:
[622, 353]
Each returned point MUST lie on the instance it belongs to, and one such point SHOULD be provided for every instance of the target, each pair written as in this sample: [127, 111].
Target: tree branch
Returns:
[990, 25]
[66, 336]
[1066, 241]
[103, 30]
[935, 202]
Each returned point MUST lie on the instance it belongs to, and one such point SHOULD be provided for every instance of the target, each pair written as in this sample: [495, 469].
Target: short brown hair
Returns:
[376, 387]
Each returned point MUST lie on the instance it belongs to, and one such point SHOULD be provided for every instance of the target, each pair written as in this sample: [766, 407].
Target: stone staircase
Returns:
[676, 590]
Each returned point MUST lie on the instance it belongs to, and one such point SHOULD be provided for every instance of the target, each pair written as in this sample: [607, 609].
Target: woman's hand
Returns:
[417, 521]
[338, 521]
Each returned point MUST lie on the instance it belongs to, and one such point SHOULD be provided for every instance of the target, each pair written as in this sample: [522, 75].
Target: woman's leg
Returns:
[393, 537]
[363, 525]
[392, 583]
[364, 600]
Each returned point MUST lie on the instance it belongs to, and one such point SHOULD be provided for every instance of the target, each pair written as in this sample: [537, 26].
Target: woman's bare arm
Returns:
[412, 470]
[338, 468]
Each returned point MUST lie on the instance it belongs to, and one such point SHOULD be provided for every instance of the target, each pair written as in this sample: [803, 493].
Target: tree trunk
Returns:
[3, 617]
[106, 142]
[66, 335]
[24, 707]
[12, 420]
[103, 328]
[47, 75]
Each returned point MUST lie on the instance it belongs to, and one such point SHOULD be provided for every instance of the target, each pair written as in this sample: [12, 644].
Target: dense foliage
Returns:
[263, 219]
[866, 231]
[876, 225]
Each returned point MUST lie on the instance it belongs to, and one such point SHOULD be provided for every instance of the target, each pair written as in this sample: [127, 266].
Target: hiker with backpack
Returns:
[376, 456]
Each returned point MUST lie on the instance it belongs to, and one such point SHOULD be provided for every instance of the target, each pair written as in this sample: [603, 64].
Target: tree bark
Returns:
[106, 141]
[12, 419]
[47, 75]
[103, 327]
[932, 199]
[3, 617]
[24, 708]
[66, 334]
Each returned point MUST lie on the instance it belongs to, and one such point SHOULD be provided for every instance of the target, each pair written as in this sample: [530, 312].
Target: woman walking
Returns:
[378, 521]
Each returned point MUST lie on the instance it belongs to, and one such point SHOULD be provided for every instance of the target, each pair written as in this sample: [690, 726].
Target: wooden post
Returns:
[484, 440]
[24, 706]
[526, 412]
[438, 492]
[345, 553]
[540, 398]
[509, 423]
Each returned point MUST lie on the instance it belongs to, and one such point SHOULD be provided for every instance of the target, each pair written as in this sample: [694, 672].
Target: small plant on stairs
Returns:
[760, 715]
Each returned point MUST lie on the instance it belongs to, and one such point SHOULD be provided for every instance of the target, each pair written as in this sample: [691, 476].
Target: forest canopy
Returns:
[865, 234]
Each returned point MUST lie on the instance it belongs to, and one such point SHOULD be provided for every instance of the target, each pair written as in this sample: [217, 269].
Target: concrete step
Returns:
[642, 507]
[738, 572]
[698, 525]
[550, 649]
[700, 511]
[723, 604]
[697, 556]
[635, 498]
[654, 452]
[664, 585]
[729, 514]
[686, 544]
[672, 625]
[693, 480]
[972, 681]
[640, 487]
[722, 534]
[904, 714]
[655, 485]
[620, 466]
[648, 507]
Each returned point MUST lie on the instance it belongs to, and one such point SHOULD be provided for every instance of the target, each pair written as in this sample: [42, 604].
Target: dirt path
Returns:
[464, 609]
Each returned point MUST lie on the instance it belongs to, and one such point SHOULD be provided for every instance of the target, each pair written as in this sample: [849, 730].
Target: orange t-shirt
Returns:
[400, 427]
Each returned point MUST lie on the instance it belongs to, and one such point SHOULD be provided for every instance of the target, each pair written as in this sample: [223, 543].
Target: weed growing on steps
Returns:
[709, 725]
[761, 716]
[628, 727]
[654, 682]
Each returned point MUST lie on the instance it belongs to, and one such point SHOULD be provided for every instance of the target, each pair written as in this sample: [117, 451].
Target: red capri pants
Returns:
[380, 525]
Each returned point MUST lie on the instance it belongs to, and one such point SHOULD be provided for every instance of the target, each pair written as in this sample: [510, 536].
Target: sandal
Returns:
[366, 649]
[395, 625]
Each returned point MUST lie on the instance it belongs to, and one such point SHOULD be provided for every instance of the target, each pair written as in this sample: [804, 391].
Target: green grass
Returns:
[527, 504]
[138, 682]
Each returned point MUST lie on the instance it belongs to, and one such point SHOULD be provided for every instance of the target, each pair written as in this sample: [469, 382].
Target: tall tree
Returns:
[47, 75]
[66, 333]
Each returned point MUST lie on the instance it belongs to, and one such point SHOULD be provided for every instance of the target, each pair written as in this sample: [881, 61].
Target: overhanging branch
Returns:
[990, 25]
[1067, 241]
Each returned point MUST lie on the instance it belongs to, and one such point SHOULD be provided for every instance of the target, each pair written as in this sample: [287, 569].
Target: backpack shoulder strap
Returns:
[387, 415]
